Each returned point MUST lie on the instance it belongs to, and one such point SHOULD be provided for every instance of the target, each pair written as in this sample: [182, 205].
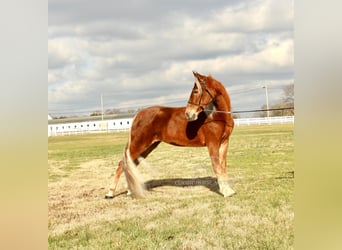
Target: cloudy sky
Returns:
[138, 53]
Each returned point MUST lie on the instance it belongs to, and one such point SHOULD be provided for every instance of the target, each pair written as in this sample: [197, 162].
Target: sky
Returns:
[138, 53]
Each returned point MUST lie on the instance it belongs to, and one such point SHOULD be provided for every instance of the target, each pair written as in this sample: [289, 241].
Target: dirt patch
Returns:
[78, 199]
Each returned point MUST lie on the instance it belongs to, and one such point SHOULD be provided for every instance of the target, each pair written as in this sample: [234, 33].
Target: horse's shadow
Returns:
[208, 182]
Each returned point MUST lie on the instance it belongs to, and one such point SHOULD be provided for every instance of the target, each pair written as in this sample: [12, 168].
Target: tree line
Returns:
[285, 107]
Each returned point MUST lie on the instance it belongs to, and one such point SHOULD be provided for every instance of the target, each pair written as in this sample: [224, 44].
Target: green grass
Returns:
[259, 216]
[70, 151]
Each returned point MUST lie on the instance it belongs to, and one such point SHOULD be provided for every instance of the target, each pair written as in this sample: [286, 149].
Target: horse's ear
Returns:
[196, 74]
[201, 78]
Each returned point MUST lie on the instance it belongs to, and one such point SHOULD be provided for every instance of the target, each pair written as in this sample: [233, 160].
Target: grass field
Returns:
[182, 209]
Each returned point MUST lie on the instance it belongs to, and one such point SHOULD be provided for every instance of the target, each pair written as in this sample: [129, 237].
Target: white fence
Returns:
[116, 125]
[264, 120]
[105, 126]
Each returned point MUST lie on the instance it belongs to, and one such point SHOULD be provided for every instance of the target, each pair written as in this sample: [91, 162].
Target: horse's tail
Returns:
[134, 180]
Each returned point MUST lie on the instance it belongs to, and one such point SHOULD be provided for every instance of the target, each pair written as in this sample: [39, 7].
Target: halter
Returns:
[199, 103]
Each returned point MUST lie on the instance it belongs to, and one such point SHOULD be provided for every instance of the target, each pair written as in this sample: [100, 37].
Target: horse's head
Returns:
[199, 98]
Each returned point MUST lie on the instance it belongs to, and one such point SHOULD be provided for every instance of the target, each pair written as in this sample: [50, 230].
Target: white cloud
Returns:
[252, 16]
[145, 55]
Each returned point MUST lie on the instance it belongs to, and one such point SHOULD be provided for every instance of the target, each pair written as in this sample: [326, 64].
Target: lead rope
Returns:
[246, 111]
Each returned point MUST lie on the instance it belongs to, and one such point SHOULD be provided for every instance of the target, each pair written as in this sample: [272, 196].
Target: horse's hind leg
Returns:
[149, 149]
[113, 186]
[135, 151]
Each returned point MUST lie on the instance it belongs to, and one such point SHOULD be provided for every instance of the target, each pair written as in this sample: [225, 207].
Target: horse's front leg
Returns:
[113, 186]
[218, 155]
[225, 189]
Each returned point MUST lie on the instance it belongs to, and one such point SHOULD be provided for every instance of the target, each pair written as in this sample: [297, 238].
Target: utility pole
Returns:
[266, 93]
[102, 106]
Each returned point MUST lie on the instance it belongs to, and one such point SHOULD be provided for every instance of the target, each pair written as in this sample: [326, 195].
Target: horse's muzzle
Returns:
[190, 116]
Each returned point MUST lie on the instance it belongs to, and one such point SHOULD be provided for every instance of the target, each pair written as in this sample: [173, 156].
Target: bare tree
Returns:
[288, 99]
[289, 94]
[285, 106]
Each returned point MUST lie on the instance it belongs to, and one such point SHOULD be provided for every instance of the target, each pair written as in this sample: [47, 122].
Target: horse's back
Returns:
[156, 118]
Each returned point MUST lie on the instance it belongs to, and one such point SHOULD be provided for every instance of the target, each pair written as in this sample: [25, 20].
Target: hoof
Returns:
[109, 196]
[227, 191]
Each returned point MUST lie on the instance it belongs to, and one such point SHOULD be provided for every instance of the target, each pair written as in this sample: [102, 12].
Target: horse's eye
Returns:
[196, 91]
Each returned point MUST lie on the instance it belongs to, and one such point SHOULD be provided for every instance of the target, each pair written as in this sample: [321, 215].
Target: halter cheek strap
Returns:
[199, 103]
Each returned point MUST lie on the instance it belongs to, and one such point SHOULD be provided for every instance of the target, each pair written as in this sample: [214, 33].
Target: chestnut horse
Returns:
[190, 126]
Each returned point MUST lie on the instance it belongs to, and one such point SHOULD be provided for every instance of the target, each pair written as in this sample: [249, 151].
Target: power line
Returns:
[74, 108]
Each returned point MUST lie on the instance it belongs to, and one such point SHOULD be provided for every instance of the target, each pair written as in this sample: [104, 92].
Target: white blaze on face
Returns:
[199, 87]
[192, 111]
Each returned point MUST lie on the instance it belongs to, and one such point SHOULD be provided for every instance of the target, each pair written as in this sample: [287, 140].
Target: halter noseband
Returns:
[199, 103]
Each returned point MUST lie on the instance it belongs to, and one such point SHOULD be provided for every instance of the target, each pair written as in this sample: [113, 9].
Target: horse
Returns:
[205, 121]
